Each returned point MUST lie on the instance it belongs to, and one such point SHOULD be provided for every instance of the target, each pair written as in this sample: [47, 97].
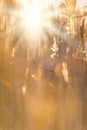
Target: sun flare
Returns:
[31, 17]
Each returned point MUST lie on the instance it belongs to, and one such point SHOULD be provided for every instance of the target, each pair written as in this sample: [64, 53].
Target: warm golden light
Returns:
[36, 15]
[24, 90]
[31, 17]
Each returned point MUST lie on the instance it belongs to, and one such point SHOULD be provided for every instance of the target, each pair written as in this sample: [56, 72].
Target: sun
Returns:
[34, 19]
[31, 17]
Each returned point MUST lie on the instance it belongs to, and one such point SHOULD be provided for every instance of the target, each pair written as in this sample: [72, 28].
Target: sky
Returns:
[81, 3]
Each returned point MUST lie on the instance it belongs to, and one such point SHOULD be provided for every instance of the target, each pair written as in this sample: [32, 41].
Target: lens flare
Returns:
[31, 17]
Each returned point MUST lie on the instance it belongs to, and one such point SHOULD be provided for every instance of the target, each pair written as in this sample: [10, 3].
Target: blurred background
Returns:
[43, 65]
